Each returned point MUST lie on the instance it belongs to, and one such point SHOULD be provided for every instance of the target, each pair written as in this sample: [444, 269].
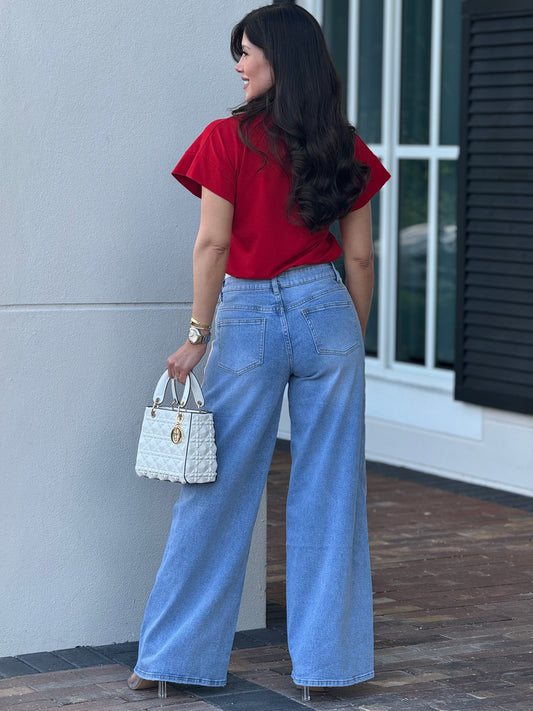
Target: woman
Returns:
[272, 178]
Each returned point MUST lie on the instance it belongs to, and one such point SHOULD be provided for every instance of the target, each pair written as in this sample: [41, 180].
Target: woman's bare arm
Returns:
[210, 257]
[356, 234]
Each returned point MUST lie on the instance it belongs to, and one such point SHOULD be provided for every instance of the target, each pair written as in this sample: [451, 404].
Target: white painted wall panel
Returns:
[422, 406]
[409, 424]
[82, 535]
[104, 98]
[99, 101]
[503, 459]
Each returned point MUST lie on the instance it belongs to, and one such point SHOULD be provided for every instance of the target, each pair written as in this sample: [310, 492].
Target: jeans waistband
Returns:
[290, 277]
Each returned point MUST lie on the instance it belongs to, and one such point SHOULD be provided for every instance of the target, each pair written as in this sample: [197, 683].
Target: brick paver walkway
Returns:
[453, 584]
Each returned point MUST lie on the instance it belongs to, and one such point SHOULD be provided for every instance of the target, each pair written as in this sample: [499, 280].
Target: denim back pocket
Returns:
[334, 327]
[241, 344]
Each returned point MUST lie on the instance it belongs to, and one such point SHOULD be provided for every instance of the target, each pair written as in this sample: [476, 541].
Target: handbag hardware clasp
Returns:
[176, 434]
[156, 404]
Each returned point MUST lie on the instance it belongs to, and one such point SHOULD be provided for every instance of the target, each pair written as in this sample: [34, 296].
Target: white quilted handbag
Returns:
[178, 444]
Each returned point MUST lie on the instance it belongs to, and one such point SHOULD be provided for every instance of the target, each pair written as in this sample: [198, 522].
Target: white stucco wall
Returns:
[98, 101]
[422, 427]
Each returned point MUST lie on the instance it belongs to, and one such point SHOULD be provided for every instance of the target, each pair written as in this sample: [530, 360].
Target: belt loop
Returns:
[336, 272]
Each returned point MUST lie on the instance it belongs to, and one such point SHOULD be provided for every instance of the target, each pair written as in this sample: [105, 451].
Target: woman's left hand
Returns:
[180, 363]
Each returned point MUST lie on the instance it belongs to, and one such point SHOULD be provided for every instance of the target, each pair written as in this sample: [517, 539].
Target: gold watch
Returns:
[196, 338]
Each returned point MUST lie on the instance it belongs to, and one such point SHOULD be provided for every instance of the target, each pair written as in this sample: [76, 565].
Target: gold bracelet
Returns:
[203, 326]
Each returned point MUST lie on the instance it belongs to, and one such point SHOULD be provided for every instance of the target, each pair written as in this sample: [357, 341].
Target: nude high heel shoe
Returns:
[306, 691]
[137, 684]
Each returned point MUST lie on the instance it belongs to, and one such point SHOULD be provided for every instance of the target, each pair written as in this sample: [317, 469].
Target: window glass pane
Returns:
[371, 336]
[415, 68]
[335, 26]
[370, 70]
[446, 264]
[451, 70]
[412, 253]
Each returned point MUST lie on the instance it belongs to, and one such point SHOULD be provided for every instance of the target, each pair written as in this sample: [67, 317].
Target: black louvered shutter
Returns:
[494, 339]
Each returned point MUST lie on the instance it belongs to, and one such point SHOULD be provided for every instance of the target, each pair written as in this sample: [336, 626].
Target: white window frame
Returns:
[391, 152]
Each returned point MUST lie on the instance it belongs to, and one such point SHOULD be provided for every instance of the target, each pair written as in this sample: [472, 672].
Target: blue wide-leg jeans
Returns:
[300, 329]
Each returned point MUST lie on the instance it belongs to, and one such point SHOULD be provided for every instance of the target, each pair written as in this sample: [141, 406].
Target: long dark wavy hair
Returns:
[302, 112]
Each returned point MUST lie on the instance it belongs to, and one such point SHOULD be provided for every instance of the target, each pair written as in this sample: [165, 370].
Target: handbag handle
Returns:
[191, 383]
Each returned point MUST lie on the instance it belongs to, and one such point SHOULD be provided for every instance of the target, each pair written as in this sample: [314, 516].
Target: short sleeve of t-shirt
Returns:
[213, 158]
[211, 161]
[378, 174]
[264, 240]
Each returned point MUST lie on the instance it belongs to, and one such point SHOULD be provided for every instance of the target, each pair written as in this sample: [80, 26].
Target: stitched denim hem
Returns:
[179, 679]
[337, 682]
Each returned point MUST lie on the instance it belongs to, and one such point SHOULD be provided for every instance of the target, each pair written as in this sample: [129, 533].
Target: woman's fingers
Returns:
[180, 363]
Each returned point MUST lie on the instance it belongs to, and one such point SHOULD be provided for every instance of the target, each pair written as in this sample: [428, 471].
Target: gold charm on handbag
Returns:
[177, 434]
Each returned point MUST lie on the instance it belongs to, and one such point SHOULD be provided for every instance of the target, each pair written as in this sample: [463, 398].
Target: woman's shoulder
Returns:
[226, 127]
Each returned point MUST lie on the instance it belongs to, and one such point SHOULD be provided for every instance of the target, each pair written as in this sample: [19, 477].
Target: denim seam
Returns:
[290, 277]
[315, 334]
[332, 682]
[261, 354]
[301, 282]
[316, 296]
[240, 307]
[241, 322]
[283, 322]
[179, 678]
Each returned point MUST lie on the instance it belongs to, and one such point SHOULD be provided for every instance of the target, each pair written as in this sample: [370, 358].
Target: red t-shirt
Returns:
[264, 242]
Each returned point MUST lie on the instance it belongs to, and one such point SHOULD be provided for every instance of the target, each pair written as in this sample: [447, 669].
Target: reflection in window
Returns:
[412, 261]
[335, 26]
[416, 61]
[370, 70]
[446, 263]
[371, 336]
[450, 72]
